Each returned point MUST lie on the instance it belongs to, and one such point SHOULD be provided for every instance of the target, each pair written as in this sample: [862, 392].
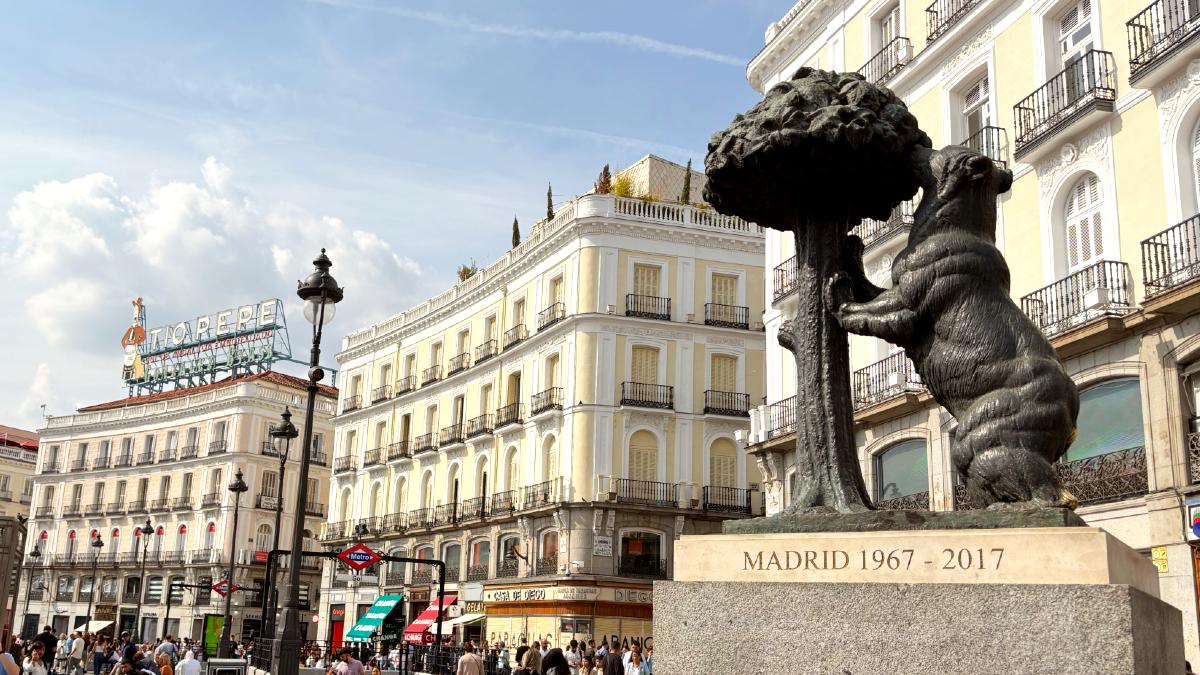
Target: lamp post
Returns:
[147, 531]
[320, 294]
[282, 434]
[97, 544]
[36, 555]
[237, 487]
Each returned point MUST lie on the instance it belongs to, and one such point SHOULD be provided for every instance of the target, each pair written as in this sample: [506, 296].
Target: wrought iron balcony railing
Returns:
[459, 363]
[102, 462]
[486, 351]
[450, 435]
[546, 566]
[148, 457]
[218, 447]
[189, 451]
[50, 467]
[551, 315]
[424, 443]
[269, 449]
[445, 514]
[344, 463]
[729, 316]
[373, 457]
[160, 504]
[943, 14]
[1171, 258]
[515, 336]
[393, 578]
[44, 512]
[139, 506]
[381, 393]
[398, 450]
[645, 395]
[885, 379]
[786, 278]
[478, 426]
[1100, 290]
[473, 509]
[1108, 477]
[168, 455]
[550, 399]
[266, 501]
[507, 569]
[210, 500]
[503, 503]
[872, 231]
[917, 501]
[316, 509]
[319, 458]
[422, 575]
[477, 573]
[431, 374]
[723, 499]
[79, 465]
[406, 384]
[124, 460]
[351, 403]
[546, 493]
[644, 566]
[395, 522]
[513, 413]
[1087, 84]
[94, 509]
[726, 403]
[1158, 32]
[116, 507]
[992, 142]
[648, 307]
[647, 492]
[888, 61]
[72, 510]
[420, 518]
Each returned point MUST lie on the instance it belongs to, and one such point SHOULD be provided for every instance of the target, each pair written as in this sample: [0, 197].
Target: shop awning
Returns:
[93, 626]
[415, 631]
[371, 621]
[464, 620]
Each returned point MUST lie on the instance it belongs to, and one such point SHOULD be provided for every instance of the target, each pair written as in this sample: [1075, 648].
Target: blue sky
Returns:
[197, 154]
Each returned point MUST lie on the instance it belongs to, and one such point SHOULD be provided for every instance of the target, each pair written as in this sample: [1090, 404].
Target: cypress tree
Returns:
[549, 203]
[685, 197]
[604, 182]
[516, 232]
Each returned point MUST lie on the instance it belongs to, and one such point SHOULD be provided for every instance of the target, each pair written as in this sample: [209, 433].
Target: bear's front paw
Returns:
[839, 289]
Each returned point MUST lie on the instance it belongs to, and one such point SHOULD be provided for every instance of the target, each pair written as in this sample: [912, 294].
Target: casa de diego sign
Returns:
[238, 340]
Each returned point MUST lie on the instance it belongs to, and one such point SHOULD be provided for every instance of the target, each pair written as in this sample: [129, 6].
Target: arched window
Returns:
[181, 539]
[549, 546]
[66, 588]
[480, 557]
[481, 478]
[376, 500]
[210, 533]
[157, 542]
[1195, 157]
[511, 481]
[262, 538]
[641, 554]
[71, 543]
[427, 491]
[452, 484]
[452, 555]
[1083, 227]
[1110, 419]
[549, 458]
[902, 470]
[154, 590]
[643, 456]
[722, 463]
[133, 586]
[400, 497]
[551, 374]
[395, 570]
[176, 590]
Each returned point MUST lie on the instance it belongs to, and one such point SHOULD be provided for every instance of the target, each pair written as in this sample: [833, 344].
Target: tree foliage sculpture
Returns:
[815, 156]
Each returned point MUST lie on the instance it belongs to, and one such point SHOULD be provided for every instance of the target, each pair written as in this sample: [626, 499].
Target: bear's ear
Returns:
[979, 167]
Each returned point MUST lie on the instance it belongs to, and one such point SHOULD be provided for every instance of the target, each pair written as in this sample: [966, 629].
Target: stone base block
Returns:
[742, 628]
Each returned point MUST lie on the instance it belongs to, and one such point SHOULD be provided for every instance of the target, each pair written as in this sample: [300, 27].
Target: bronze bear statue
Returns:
[979, 355]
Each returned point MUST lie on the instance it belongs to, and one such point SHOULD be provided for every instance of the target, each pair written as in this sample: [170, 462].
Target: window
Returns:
[262, 538]
[427, 492]
[385, 374]
[549, 459]
[76, 495]
[643, 456]
[1084, 230]
[644, 367]
[71, 542]
[193, 437]
[641, 552]
[381, 434]
[722, 463]
[176, 590]
[481, 553]
[459, 410]
[551, 373]
[452, 554]
[556, 290]
[97, 495]
[646, 279]
[66, 586]
[1075, 32]
[1110, 419]
[902, 470]
[400, 497]
[181, 539]
[219, 430]
[724, 373]
[549, 545]
[52, 459]
[511, 478]
[464, 341]
[105, 451]
[410, 365]
[143, 489]
[724, 289]
[514, 388]
[489, 328]
[976, 109]
[215, 482]
[210, 534]
[164, 487]
[355, 386]
[509, 546]
[887, 25]
[186, 492]
[267, 486]
[405, 427]
[431, 419]
[351, 443]
[518, 312]
[148, 444]
[154, 590]
[48, 496]
[172, 440]
[121, 492]
[435, 354]
[485, 398]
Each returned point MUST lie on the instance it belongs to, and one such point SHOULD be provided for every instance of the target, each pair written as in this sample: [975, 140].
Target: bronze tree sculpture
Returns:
[815, 156]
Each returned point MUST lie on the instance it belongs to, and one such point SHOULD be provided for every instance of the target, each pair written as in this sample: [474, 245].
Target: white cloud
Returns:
[36, 395]
[56, 226]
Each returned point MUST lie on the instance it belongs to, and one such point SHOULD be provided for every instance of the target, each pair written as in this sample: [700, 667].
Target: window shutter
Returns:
[722, 471]
[643, 463]
[556, 290]
[645, 365]
[724, 289]
[646, 280]
[1084, 232]
[724, 373]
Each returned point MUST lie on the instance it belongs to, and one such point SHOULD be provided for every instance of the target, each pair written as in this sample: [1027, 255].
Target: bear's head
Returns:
[964, 184]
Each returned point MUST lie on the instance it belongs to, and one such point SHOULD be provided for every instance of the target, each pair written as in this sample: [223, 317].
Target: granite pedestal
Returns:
[1043, 600]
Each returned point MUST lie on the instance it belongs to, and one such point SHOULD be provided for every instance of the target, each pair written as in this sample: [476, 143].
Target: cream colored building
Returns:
[1094, 107]
[549, 426]
[18, 462]
[168, 458]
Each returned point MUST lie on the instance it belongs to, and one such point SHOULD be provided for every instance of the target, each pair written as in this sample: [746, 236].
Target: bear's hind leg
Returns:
[1016, 477]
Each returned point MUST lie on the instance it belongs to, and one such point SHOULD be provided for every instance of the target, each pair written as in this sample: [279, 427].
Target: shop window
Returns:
[902, 470]
[1110, 419]
[641, 553]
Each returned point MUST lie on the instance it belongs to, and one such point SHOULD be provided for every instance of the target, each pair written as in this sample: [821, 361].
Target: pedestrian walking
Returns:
[35, 663]
[188, 665]
[612, 660]
[75, 654]
[470, 663]
[635, 666]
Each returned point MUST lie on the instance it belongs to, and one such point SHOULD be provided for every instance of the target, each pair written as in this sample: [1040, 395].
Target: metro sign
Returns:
[223, 587]
[358, 557]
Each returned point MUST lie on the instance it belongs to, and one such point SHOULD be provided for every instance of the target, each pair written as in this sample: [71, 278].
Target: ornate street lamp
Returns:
[281, 435]
[36, 555]
[237, 487]
[320, 294]
[146, 531]
[96, 544]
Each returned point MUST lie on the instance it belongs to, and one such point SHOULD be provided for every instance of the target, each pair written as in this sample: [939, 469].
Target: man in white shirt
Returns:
[75, 655]
[188, 665]
[573, 657]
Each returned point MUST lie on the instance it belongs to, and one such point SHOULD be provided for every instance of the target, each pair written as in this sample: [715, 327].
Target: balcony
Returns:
[420, 518]
[145, 458]
[472, 509]
[648, 307]
[723, 499]
[64, 559]
[394, 578]
[942, 15]
[728, 316]
[423, 575]
[269, 502]
[189, 451]
[406, 384]
[315, 509]
[159, 505]
[507, 569]
[445, 514]
[79, 465]
[478, 426]
[459, 363]
[381, 393]
[115, 508]
[424, 443]
[786, 279]
[503, 503]
[211, 500]
[509, 414]
[124, 460]
[130, 597]
[269, 449]
[318, 458]
[1161, 38]
[395, 522]
[477, 573]
[486, 351]
[884, 380]
[873, 232]
[64, 596]
[450, 435]
[1108, 477]
[6, 495]
[72, 510]
[168, 455]
[1171, 258]
[887, 61]
[515, 336]
[94, 510]
[551, 315]
[647, 493]
[546, 566]
[1096, 292]
[992, 142]
[546, 493]
[647, 395]
[102, 462]
[550, 399]
[430, 375]
[643, 566]
[218, 447]
[398, 450]
[729, 403]
[373, 457]
[139, 506]
[338, 530]
[351, 403]
[50, 466]
[344, 463]
[1075, 97]
[917, 501]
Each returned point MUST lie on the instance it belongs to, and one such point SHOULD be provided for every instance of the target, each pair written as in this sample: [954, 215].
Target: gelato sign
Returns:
[238, 341]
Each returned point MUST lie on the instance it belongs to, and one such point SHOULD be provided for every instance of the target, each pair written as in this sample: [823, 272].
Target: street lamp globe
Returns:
[320, 292]
[238, 485]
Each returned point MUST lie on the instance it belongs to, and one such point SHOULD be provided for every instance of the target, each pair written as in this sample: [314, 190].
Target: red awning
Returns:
[416, 631]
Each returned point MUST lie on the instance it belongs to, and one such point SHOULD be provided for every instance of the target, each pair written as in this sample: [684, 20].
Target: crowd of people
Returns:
[539, 658]
[83, 652]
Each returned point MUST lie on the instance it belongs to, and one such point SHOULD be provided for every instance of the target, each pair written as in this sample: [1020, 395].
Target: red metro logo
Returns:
[358, 557]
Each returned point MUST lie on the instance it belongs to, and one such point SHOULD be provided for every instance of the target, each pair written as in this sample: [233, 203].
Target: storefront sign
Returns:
[568, 593]
[602, 546]
[1192, 527]
[473, 607]
[1158, 556]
